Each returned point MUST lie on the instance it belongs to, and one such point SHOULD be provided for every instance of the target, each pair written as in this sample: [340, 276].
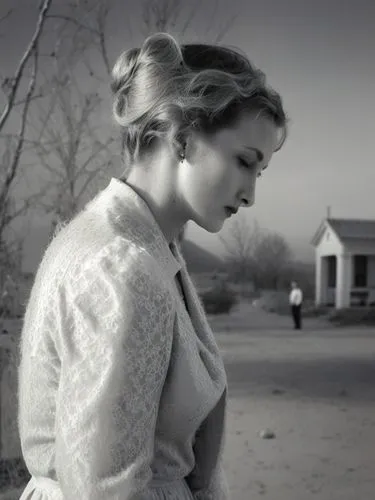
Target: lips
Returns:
[230, 211]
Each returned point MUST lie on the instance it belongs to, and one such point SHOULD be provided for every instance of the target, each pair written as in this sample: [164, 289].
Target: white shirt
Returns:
[295, 297]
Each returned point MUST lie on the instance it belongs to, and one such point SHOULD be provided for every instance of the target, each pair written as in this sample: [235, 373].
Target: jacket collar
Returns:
[131, 216]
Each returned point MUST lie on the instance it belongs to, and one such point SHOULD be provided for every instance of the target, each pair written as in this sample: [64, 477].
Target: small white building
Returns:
[345, 263]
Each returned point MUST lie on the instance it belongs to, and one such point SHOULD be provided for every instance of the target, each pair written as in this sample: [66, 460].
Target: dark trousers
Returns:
[296, 313]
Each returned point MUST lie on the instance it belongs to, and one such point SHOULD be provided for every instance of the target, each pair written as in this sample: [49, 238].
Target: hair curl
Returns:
[163, 89]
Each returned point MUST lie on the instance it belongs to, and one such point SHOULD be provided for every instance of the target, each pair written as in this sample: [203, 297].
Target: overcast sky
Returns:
[320, 55]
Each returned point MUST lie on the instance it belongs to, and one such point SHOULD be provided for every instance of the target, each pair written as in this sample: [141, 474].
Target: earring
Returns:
[182, 154]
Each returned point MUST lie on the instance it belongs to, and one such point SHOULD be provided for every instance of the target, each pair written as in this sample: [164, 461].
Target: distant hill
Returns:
[199, 260]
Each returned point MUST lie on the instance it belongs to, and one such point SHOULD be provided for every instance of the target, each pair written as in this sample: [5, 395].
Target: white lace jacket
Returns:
[122, 391]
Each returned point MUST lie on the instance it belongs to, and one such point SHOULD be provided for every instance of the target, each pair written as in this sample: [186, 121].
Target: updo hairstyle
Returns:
[163, 89]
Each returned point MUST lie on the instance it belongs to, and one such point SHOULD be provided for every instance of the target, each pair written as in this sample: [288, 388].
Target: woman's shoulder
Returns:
[87, 247]
[119, 262]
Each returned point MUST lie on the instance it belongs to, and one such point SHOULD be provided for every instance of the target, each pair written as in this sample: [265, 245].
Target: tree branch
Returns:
[6, 15]
[11, 173]
[102, 17]
[73, 21]
[21, 67]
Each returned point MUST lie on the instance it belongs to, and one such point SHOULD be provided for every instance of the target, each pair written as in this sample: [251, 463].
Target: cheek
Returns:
[200, 173]
[219, 170]
[217, 181]
[209, 177]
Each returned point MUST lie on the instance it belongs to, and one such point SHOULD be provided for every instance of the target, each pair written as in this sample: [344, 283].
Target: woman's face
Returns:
[221, 170]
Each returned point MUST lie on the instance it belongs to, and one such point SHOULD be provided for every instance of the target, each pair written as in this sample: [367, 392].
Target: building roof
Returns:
[353, 228]
[363, 229]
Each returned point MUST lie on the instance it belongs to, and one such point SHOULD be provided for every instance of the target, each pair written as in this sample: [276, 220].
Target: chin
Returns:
[207, 221]
[211, 226]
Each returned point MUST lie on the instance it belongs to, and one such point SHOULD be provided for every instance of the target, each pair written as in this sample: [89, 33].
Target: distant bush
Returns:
[310, 310]
[219, 300]
[353, 316]
[245, 290]
[274, 301]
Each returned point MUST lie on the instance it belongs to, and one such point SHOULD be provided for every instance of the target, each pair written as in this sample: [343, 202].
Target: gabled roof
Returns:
[363, 229]
[353, 228]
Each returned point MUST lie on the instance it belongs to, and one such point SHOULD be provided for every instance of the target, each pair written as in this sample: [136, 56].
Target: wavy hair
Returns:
[163, 89]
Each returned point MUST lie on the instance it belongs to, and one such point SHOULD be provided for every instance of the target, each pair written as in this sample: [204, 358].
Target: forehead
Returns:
[254, 129]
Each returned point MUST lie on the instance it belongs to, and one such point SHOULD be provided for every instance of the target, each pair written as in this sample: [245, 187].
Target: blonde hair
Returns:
[163, 89]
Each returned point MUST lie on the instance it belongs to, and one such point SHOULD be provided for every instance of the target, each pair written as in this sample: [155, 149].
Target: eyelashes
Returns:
[244, 163]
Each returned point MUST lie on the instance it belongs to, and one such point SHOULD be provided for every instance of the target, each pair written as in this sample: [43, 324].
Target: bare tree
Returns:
[178, 16]
[73, 149]
[19, 91]
[272, 257]
[166, 15]
[256, 255]
[241, 244]
[16, 105]
[71, 142]
[82, 30]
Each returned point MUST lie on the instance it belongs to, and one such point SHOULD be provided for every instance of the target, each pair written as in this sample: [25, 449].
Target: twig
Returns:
[73, 21]
[21, 134]
[21, 67]
[7, 14]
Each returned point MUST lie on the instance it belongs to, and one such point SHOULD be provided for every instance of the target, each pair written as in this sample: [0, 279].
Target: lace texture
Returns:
[117, 382]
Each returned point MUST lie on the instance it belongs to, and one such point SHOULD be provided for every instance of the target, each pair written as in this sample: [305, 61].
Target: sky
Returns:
[320, 56]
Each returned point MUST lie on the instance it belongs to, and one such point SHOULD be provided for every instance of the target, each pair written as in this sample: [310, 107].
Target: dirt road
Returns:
[315, 389]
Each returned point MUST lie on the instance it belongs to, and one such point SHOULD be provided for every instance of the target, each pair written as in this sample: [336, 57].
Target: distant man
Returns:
[295, 300]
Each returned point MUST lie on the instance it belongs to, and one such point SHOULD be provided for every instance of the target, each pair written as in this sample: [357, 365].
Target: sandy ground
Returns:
[315, 389]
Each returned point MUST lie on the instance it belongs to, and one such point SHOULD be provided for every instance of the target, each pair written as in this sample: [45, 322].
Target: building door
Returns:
[360, 271]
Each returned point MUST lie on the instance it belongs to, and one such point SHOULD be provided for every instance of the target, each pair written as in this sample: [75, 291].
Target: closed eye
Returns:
[248, 165]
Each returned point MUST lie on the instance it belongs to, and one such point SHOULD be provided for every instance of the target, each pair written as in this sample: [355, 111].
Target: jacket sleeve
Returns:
[116, 337]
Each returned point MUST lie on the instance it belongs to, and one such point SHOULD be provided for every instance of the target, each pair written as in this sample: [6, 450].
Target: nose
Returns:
[247, 203]
[248, 198]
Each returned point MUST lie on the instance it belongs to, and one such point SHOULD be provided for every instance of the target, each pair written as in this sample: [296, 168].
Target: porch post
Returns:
[320, 280]
[344, 280]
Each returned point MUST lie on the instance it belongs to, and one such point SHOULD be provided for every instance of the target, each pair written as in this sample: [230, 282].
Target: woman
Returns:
[122, 390]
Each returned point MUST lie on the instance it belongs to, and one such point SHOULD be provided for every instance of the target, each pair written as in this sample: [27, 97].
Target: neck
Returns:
[156, 185]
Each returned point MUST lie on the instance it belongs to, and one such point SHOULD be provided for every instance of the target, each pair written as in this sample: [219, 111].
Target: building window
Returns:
[331, 264]
[360, 271]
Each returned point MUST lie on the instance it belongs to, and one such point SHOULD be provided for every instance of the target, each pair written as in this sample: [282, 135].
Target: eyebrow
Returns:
[260, 155]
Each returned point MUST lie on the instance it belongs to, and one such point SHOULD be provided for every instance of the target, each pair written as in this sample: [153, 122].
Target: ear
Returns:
[190, 143]
[180, 146]
[185, 144]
